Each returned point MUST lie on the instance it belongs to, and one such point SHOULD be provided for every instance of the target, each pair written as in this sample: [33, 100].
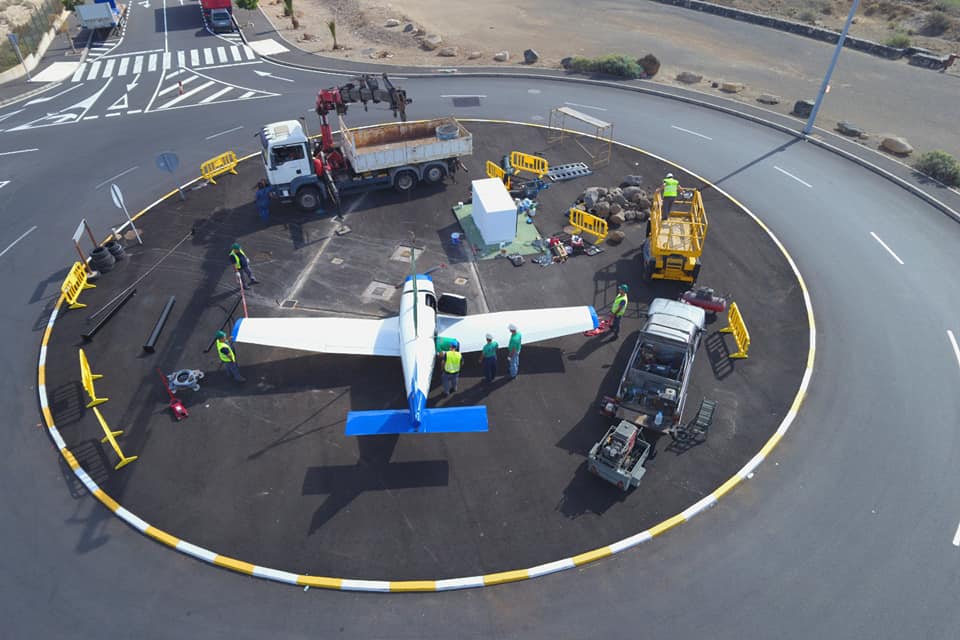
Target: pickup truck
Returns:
[653, 389]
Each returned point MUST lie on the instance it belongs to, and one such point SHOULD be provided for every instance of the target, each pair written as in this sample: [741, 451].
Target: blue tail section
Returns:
[449, 420]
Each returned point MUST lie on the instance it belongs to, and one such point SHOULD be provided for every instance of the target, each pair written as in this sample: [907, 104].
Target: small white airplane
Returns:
[412, 336]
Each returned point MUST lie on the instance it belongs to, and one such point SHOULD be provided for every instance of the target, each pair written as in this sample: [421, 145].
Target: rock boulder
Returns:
[530, 56]
[431, 41]
[897, 145]
[688, 77]
[502, 56]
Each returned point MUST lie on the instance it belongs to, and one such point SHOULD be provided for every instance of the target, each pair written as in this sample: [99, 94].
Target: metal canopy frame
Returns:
[602, 133]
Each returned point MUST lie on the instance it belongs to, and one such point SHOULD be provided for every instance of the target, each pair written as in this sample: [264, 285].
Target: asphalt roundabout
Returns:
[261, 479]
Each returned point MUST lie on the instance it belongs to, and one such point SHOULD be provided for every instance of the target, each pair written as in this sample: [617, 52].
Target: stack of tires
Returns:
[103, 259]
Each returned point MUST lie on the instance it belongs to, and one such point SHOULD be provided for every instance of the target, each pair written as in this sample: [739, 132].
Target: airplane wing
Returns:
[534, 325]
[351, 336]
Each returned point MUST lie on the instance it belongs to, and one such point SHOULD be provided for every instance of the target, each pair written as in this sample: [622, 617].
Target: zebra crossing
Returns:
[154, 62]
[99, 49]
[184, 87]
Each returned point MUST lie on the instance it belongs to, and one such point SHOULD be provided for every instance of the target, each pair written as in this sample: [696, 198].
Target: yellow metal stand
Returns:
[738, 328]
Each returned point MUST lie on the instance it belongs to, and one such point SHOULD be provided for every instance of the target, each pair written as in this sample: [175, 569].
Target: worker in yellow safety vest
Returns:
[228, 357]
[669, 190]
[617, 310]
[451, 359]
[241, 265]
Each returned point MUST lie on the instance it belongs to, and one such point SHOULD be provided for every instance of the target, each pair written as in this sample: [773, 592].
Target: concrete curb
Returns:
[449, 584]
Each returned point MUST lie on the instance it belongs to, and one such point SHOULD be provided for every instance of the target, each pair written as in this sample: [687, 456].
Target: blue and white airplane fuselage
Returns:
[418, 351]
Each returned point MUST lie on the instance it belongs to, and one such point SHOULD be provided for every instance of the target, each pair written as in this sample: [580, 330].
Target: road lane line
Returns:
[584, 106]
[208, 56]
[108, 68]
[119, 175]
[137, 65]
[222, 54]
[252, 55]
[194, 58]
[235, 52]
[693, 133]
[174, 87]
[956, 349]
[787, 173]
[956, 536]
[94, 70]
[222, 133]
[167, 60]
[78, 74]
[471, 95]
[152, 63]
[209, 99]
[181, 59]
[24, 235]
[884, 245]
[124, 63]
[10, 153]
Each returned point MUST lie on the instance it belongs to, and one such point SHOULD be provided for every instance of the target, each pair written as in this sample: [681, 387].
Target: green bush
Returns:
[249, 5]
[808, 16]
[614, 65]
[900, 40]
[650, 64]
[940, 165]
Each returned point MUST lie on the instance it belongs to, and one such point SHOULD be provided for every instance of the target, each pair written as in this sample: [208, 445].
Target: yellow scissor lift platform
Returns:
[674, 244]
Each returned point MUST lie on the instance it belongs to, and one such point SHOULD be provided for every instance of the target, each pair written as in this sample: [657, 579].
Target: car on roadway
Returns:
[221, 20]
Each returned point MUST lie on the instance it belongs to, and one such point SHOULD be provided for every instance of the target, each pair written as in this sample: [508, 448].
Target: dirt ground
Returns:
[15, 12]
[477, 31]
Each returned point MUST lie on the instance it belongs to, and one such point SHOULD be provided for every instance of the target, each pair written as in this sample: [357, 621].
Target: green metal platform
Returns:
[522, 243]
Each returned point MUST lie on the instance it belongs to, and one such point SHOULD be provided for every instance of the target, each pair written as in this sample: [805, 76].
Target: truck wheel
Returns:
[405, 181]
[308, 199]
[434, 173]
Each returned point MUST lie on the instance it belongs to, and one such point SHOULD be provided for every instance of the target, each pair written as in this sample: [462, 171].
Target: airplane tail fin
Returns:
[447, 420]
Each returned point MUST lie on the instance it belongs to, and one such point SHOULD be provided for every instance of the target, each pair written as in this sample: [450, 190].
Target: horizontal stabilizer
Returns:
[449, 420]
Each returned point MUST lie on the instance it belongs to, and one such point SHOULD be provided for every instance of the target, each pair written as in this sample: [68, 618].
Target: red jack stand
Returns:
[179, 411]
[602, 327]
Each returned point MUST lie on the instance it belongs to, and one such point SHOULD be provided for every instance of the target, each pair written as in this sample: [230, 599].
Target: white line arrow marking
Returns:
[267, 74]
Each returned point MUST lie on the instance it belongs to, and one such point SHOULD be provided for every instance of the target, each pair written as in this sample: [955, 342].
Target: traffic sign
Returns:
[117, 196]
[168, 162]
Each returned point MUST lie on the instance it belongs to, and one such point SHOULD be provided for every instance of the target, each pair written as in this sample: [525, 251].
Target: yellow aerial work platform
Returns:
[674, 243]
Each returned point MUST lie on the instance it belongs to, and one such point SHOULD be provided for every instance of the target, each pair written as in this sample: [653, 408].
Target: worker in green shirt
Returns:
[617, 310]
[451, 360]
[489, 359]
[669, 191]
[514, 351]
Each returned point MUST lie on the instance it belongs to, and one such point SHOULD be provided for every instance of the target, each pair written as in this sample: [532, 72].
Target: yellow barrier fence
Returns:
[738, 328]
[74, 283]
[86, 378]
[531, 164]
[111, 437]
[495, 171]
[223, 163]
[589, 223]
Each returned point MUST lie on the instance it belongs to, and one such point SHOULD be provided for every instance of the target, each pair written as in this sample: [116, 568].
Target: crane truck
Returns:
[398, 155]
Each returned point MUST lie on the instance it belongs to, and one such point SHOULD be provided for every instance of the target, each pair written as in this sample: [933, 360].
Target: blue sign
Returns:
[168, 162]
[12, 37]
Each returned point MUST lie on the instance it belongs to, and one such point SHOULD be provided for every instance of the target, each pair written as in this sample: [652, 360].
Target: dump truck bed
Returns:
[404, 143]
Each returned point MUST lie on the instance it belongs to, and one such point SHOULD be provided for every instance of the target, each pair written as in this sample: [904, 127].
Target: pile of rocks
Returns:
[628, 202]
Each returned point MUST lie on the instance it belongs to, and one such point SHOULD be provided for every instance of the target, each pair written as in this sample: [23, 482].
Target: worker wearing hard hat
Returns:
[669, 191]
[241, 265]
[514, 351]
[617, 310]
[488, 359]
[228, 357]
[451, 359]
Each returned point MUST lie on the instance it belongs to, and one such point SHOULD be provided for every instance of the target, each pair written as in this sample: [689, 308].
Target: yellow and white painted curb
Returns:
[347, 584]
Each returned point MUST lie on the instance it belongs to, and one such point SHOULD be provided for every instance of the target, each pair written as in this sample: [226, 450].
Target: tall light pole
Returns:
[833, 63]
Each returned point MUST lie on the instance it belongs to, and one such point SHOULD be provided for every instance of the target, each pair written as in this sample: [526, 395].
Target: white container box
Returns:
[494, 211]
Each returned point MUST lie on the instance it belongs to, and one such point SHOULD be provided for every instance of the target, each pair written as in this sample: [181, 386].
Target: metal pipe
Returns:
[833, 63]
[157, 328]
[88, 336]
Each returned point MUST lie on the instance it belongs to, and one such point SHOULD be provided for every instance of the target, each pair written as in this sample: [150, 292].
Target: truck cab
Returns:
[288, 163]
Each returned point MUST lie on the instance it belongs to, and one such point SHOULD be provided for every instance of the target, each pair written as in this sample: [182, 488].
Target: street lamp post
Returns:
[833, 63]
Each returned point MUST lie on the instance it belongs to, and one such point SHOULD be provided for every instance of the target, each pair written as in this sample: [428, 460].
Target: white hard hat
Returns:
[669, 175]
[489, 337]
[512, 327]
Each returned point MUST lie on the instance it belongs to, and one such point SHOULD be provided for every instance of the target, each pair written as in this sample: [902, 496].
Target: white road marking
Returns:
[787, 173]
[222, 54]
[956, 536]
[251, 54]
[119, 175]
[167, 59]
[194, 58]
[48, 98]
[238, 64]
[175, 72]
[124, 63]
[152, 63]
[693, 133]
[108, 68]
[134, 111]
[174, 87]
[208, 56]
[24, 235]
[10, 153]
[166, 47]
[267, 74]
[956, 349]
[209, 99]
[884, 245]
[248, 94]
[181, 59]
[138, 64]
[91, 117]
[113, 115]
[584, 106]
[78, 74]
[94, 70]
[222, 133]
[235, 52]
[133, 53]
[463, 96]
[187, 94]
[4, 183]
